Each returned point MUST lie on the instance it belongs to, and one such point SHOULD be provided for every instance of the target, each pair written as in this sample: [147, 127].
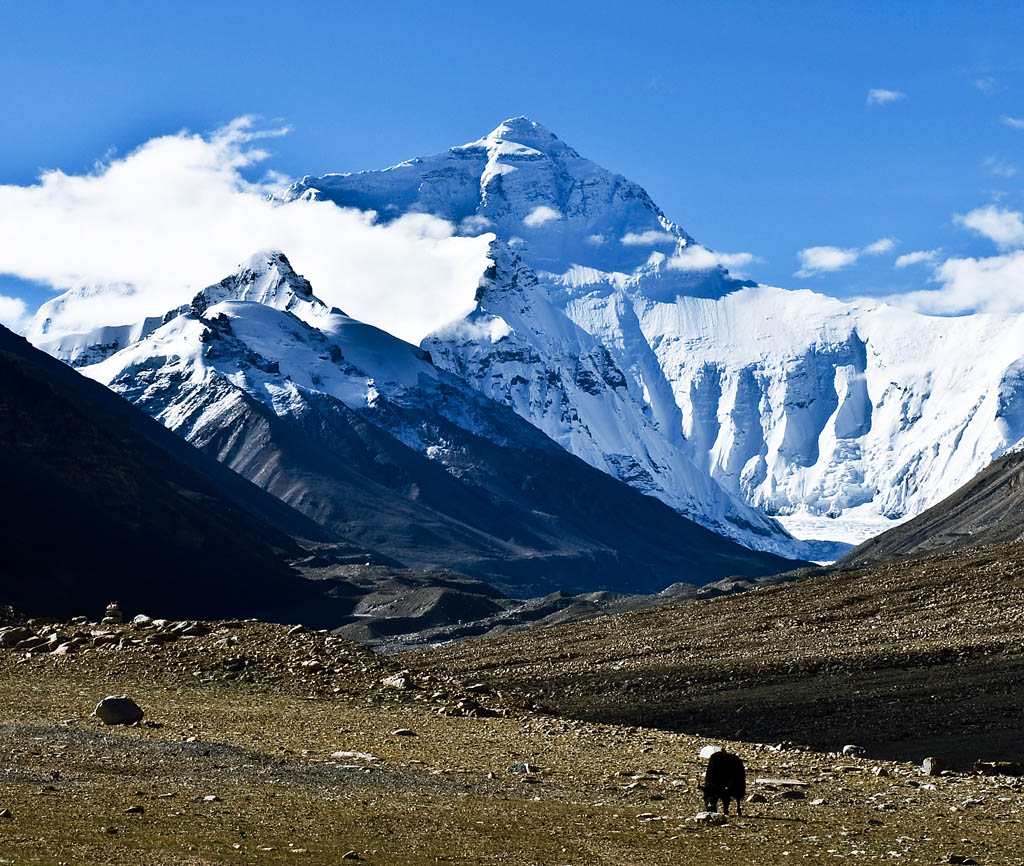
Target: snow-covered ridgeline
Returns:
[837, 418]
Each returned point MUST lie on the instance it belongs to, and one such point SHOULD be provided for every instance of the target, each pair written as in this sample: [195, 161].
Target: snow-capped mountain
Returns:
[364, 434]
[608, 327]
[567, 232]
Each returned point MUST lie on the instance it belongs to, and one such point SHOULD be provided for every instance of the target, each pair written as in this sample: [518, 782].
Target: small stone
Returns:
[715, 819]
[960, 858]
[355, 756]
[110, 831]
[296, 629]
[818, 802]
[851, 751]
[792, 794]
[6, 813]
[757, 798]
[880, 771]
[397, 681]
[118, 710]
[933, 766]
[403, 732]
[351, 855]
[708, 751]
[211, 798]
[141, 621]
[134, 810]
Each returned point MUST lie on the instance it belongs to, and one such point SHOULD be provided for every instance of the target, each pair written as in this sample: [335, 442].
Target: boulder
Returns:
[118, 710]
[998, 768]
[933, 766]
[10, 637]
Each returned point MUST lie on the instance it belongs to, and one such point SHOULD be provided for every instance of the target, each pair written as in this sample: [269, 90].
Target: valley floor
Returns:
[238, 761]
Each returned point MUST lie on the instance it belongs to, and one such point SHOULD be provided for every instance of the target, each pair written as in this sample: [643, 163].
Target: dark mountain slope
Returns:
[100, 502]
[363, 434]
[988, 509]
[527, 519]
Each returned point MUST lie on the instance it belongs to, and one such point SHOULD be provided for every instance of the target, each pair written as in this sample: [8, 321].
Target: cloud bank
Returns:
[141, 234]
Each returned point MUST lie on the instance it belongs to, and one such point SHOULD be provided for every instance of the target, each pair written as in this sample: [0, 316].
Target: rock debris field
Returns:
[270, 744]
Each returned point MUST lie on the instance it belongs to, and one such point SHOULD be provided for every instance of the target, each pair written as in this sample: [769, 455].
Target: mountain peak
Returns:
[516, 128]
[527, 133]
[266, 277]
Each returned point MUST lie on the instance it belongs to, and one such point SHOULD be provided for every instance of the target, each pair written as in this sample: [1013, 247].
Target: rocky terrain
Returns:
[906, 659]
[274, 744]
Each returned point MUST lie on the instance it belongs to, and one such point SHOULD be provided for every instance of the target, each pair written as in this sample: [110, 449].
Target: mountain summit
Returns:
[719, 396]
[560, 212]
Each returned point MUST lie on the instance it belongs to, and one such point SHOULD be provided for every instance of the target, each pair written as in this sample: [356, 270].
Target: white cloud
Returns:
[595, 240]
[649, 238]
[1002, 226]
[881, 96]
[879, 247]
[12, 313]
[147, 231]
[999, 167]
[992, 285]
[918, 257]
[698, 258]
[816, 260]
[986, 83]
[473, 225]
[540, 215]
[1015, 122]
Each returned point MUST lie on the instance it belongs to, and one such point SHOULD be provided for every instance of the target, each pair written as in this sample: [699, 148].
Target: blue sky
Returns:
[749, 123]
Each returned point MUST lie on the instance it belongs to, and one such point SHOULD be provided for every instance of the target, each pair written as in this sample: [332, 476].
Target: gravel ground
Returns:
[293, 756]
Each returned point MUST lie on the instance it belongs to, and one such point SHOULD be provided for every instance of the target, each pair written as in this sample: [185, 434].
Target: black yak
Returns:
[725, 780]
